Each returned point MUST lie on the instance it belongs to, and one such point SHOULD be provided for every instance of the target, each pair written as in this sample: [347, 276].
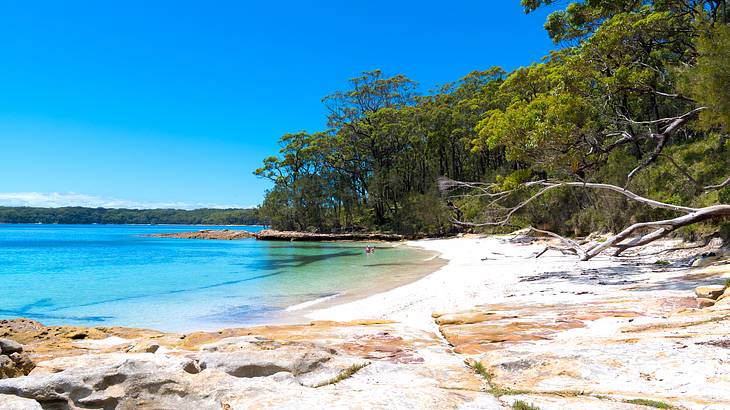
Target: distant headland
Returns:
[83, 215]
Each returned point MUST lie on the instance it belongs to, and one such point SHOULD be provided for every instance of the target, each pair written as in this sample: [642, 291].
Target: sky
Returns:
[175, 103]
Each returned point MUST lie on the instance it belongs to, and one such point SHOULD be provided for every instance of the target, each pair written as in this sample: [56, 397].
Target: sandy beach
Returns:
[485, 270]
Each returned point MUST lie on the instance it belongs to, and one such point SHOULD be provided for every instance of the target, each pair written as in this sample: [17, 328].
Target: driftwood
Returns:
[638, 234]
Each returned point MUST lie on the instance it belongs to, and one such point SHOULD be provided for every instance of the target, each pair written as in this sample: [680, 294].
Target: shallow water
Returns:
[113, 275]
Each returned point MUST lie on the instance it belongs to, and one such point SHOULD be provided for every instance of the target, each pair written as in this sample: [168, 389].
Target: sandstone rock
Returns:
[10, 402]
[295, 359]
[8, 346]
[705, 302]
[146, 346]
[709, 291]
[15, 365]
[725, 294]
[723, 304]
[464, 318]
[22, 362]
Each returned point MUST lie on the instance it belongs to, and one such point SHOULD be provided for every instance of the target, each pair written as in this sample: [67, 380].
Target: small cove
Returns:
[113, 275]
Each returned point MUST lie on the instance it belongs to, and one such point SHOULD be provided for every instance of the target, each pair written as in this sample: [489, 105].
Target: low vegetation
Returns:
[345, 374]
[521, 405]
[650, 403]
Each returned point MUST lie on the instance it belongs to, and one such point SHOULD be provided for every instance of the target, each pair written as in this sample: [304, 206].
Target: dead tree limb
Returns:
[571, 247]
[631, 237]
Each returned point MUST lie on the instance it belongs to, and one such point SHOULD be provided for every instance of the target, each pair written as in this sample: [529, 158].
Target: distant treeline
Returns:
[81, 215]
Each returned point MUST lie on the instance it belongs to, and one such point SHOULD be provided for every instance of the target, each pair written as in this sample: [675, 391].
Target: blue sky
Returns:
[175, 103]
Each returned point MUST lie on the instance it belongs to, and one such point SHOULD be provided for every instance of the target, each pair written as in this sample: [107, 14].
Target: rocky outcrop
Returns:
[273, 235]
[709, 291]
[11, 402]
[710, 295]
[13, 362]
[220, 234]
[362, 364]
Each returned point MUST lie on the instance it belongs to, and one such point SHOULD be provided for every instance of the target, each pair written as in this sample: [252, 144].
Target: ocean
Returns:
[113, 275]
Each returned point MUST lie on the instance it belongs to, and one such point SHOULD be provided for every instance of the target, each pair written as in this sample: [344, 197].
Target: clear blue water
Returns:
[95, 275]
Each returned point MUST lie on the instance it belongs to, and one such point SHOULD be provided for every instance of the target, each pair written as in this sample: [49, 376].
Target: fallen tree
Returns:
[638, 234]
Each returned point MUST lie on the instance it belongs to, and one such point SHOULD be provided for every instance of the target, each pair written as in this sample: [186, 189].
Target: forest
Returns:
[81, 215]
[636, 94]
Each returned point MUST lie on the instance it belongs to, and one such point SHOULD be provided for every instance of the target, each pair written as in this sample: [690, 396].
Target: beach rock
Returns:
[251, 362]
[708, 258]
[219, 234]
[723, 304]
[709, 291]
[705, 302]
[13, 362]
[146, 346]
[464, 318]
[8, 346]
[725, 294]
[11, 402]
[15, 365]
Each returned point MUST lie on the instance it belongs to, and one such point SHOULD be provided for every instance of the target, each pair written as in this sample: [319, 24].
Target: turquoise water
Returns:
[95, 275]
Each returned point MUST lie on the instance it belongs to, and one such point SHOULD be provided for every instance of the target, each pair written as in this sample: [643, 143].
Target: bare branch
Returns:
[718, 186]
[664, 227]
[622, 241]
[571, 246]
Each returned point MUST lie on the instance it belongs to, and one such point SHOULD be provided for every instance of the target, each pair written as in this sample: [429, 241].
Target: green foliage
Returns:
[604, 105]
[521, 405]
[650, 403]
[708, 81]
[513, 180]
[80, 215]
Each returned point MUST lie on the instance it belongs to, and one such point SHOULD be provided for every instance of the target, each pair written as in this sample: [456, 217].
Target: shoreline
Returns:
[491, 326]
[300, 313]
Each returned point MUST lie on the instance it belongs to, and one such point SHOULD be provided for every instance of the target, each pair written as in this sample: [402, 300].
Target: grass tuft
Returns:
[650, 403]
[494, 390]
[521, 405]
[345, 374]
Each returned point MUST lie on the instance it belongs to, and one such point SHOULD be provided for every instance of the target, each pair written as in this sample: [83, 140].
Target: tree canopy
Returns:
[635, 95]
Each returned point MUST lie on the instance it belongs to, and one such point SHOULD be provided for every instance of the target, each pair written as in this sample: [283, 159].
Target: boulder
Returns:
[709, 291]
[8, 346]
[705, 302]
[707, 258]
[15, 365]
[10, 402]
[146, 346]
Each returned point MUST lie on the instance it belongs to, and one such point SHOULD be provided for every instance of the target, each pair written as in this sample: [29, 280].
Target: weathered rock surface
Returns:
[11, 402]
[8, 346]
[13, 362]
[221, 234]
[273, 235]
[709, 291]
[255, 368]
[705, 302]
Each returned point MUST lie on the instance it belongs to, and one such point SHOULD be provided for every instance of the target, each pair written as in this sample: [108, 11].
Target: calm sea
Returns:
[113, 275]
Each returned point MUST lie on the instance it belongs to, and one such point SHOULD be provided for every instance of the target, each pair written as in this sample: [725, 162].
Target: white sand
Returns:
[467, 281]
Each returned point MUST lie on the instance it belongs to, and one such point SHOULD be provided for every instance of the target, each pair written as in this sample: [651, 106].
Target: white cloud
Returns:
[57, 199]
